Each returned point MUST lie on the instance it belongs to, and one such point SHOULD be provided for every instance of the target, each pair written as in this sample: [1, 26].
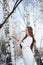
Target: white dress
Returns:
[27, 52]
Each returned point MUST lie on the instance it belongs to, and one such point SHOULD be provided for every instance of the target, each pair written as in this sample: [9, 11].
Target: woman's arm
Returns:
[17, 39]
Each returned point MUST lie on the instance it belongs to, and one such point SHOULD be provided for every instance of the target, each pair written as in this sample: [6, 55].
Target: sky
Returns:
[12, 4]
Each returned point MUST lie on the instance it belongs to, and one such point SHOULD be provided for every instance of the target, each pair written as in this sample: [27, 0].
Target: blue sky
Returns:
[20, 7]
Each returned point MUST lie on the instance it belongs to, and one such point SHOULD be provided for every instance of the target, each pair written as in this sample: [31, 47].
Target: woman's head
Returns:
[29, 30]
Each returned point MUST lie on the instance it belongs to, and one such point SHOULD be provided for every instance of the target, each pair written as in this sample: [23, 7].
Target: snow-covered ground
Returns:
[20, 61]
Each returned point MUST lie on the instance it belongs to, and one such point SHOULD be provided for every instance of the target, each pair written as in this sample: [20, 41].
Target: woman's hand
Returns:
[17, 39]
[13, 37]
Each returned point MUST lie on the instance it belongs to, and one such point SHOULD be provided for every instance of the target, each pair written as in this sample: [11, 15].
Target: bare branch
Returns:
[15, 6]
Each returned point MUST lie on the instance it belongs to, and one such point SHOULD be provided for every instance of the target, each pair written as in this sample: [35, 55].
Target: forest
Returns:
[15, 15]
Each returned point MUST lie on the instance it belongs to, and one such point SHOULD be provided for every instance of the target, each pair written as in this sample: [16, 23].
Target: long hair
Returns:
[30, 30]
[23, 39]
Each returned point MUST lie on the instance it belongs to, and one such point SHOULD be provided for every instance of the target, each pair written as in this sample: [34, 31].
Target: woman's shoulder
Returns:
[29, 37]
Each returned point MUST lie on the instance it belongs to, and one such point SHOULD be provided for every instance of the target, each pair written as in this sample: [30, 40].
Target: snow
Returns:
[19, 61]
[18, 23]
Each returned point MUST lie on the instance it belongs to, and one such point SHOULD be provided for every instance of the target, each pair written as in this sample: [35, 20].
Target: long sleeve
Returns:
[27, 42]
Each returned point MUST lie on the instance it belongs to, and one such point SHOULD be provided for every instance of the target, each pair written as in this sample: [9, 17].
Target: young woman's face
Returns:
[26, 31]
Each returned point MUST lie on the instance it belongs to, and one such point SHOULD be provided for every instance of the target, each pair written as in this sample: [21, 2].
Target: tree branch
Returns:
[15, 6]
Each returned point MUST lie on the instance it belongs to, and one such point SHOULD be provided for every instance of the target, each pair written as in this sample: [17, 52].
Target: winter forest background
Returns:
[28, 12]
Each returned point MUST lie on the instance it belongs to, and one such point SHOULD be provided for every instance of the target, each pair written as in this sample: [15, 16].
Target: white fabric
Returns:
[27, 42]
[27, 53]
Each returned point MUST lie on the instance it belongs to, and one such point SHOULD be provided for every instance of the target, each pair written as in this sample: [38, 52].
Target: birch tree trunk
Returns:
[8, 31]
[26, 14]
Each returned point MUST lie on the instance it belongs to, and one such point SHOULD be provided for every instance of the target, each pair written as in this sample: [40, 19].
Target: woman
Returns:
[27, 44]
